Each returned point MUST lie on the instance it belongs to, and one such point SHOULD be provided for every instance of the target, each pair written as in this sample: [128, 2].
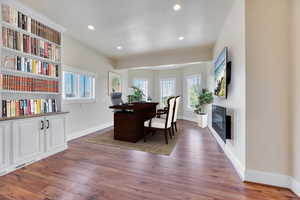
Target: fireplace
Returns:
[221, 122]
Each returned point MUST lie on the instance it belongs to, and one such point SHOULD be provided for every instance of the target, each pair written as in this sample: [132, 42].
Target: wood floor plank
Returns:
[197, 169]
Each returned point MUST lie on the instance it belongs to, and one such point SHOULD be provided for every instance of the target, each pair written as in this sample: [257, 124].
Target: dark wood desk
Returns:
[129, 120]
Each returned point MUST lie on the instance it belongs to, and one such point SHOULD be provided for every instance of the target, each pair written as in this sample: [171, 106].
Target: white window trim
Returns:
[160, 89]
[188, 108]
[74, 100]
[143, 79]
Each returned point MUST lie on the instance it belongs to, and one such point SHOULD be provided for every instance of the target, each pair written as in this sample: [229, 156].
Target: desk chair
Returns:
[165, 125]
[116, 98]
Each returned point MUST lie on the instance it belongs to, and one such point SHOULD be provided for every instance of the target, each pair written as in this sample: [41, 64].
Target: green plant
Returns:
[204, 98]
[137, 95]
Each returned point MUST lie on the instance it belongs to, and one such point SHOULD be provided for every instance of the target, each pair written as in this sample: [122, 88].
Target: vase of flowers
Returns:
[204, 98]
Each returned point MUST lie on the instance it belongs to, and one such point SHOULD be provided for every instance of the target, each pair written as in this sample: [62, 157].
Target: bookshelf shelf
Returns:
[8, 25]
[27, 55]
[29, 92]
[32, 116]
[27, 74]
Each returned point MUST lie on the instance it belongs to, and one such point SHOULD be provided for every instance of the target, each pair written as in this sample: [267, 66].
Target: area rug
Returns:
[155, 143]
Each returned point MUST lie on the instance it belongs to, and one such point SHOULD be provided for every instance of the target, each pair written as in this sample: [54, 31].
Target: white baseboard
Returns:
[267, 178]
[255, 176]
[279, 180]
[14, 167]
[88, 131]
[295, 186]
[238, 166]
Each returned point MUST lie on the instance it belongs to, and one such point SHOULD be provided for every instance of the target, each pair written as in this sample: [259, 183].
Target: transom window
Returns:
[193, 90]
[142, 84]
[167, 90]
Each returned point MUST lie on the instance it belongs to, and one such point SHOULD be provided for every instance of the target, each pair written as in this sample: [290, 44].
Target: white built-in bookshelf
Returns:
[30, 71]
[32, 126]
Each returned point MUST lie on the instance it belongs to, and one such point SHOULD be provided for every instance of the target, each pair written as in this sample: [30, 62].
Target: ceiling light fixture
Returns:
[177, 7]
[91, 27]
[119, 47]
[181, 38]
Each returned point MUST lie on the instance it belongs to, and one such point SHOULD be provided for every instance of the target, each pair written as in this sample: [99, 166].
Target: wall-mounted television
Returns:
[222, 74]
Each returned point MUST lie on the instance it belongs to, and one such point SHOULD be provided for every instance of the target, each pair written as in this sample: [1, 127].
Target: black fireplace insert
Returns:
[221, 122]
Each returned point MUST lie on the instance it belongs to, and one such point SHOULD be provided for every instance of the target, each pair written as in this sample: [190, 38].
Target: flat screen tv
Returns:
[222, 74]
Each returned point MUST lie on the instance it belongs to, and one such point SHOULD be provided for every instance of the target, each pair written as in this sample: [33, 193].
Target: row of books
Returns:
[31, 66]
[16, 18]
[16, 108]
[16, 83]
[22, 42]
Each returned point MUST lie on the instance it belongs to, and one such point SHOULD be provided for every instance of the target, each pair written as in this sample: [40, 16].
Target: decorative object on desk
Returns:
[156, 145]
[114, 83]
[204, 98]
[136, 96]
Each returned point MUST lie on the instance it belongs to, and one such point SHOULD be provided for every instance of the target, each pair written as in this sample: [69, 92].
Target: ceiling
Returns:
[139, 26]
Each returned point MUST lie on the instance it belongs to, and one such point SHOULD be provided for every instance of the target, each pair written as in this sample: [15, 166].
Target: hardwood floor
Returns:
[196, 170]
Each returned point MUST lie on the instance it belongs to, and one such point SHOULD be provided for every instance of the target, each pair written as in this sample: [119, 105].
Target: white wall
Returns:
[177, 56]
[233, 37]
[268, 85]
[295, 73]
[180, 74]
[88, 116]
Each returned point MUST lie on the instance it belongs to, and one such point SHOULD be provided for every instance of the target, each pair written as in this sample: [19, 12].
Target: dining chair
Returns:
[175, 115]
[160, 124]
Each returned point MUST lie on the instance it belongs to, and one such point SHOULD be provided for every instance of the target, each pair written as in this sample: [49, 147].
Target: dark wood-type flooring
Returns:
[196, 170]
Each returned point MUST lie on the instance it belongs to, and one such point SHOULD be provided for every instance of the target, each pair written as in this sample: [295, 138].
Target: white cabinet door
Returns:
[4, 145]
[28, 140]
[56, 134]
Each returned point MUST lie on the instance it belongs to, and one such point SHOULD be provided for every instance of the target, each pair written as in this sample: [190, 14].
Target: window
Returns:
[142, 84]
[78, 85]
[70, 85]
[167, 89]
[85, 86]
[193, 90]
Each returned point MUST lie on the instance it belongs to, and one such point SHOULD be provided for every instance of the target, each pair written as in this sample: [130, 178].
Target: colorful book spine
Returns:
[15, 40]
[18, 19]
[22, 107]
[31, 66]
[16, 83]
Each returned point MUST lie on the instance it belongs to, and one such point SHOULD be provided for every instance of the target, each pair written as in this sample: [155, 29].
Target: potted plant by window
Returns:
[204, 99]
[136, 96]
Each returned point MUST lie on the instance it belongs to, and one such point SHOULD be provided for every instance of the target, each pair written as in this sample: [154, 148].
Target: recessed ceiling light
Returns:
[177, 7]
[181, 38]
[91, 27]
[119, 47]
